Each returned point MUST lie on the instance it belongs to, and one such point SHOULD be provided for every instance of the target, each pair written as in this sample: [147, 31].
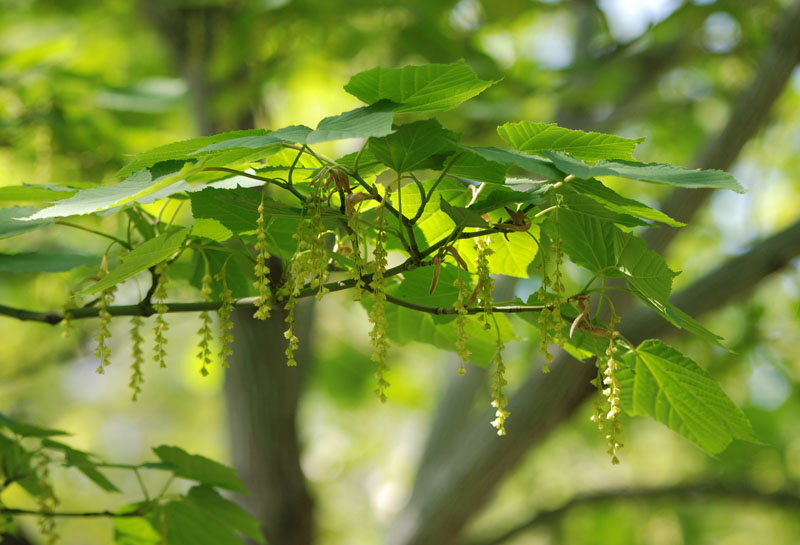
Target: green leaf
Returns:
[646, 270]
[492, 198]
[512, 255]
[374, 120]
[463, 217]
[674, 390]
[416, 284]
[40, 262]
[599, 193]
[433, 224]
[426, 88]
[533, 137]
[211, 228]
[293, 134]
[27, 430]
[474, 166]
[368, 164]
[234, 209]
[411, 145]
[34, 193]
[406, 325]
[601, 247]
[225, 513]
[584, 205]
[528, 163]
[140, 187]
[184, 150]
[12, 224]
[660, 173]
[238, 271]
[681, 320]
[187, 524]
[221, 213]
[148, 254]
[16, 465]
[588, 241]
[134, 531]
[199, 468]
[83, 463]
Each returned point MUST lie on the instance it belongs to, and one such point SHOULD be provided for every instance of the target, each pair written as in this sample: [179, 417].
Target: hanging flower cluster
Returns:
[308, 264]
[161, 326]
[225, 321]
[205, 328]
[499, 399]
[377, 315]
[461, 323]
[551, 293]
[103, 351]
[137, 355]
[261, 270]
[47, 500]
[485, 288]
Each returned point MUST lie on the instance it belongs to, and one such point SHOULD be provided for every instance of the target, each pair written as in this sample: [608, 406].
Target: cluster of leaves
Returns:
[199, 516]
[456, 214]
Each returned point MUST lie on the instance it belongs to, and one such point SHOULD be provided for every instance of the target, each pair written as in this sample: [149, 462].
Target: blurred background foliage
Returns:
[84, 85]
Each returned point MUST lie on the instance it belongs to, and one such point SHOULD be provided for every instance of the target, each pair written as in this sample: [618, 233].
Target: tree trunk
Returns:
[262, 394]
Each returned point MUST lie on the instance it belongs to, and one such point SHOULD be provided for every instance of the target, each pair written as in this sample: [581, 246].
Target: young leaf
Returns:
[16, 465]
[426, 88]
[406, 325]
[199, 468]
[673, 389]
[34, 193]
[415, 286]
[588, 241]
[225, 513]
[186, 149]
[27, 430]
[293, 134]
[540, 137]
[645, 269]
[493, 198]
[135, 531]
[187, 524]
[41, 262]
[660, 173]
[584, 205]
[534, 165]
[463, 217]
[150, 253]
[11, 223]
[513, 252]
[412, 145]
[474, 166]
[140, 187]
[681, 320]
[374, 120]
[601, 194]
[83, 463]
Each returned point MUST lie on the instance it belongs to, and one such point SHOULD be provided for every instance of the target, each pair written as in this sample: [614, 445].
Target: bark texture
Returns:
[262, 395]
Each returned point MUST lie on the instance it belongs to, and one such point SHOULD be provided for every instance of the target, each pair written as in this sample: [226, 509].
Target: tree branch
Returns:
[677, 492]
[110, 514]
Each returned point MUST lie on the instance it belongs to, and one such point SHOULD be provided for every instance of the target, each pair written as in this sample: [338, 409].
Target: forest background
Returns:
[86, 85]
